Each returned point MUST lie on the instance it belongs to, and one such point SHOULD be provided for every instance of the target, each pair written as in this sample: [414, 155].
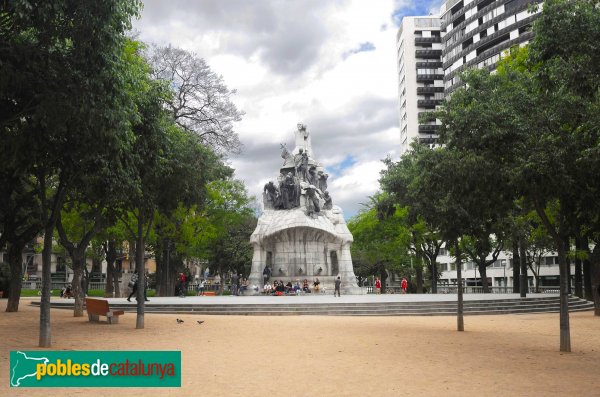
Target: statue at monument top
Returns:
[303, 139]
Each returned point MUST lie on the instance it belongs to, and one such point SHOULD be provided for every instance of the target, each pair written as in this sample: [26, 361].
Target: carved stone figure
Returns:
[322, 184]
[271, 195]
[313, 178]
[301, 163]
[303, 138]
[288, 192]
[286, 156]
[328, 202]
[312, 201]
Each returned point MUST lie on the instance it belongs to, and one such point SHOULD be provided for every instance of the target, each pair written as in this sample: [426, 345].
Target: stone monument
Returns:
[301, 233]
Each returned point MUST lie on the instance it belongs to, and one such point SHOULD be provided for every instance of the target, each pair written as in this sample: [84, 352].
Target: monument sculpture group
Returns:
[301, 234]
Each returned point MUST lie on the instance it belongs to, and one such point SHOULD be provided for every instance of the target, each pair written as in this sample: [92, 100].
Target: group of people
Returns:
[66, 291]
[238, 284]
[403, 285]
[280, 288]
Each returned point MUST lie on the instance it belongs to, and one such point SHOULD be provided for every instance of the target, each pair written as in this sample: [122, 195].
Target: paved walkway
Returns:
[319, 299]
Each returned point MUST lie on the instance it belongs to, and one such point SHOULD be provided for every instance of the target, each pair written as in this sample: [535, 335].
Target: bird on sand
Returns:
[179, 321]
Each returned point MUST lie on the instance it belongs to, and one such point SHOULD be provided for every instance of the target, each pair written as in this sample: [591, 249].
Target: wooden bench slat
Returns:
[100, 307]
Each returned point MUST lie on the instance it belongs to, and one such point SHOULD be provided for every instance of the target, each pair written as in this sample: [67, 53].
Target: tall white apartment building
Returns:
[432, 52]
[475, 33]
[420, 78]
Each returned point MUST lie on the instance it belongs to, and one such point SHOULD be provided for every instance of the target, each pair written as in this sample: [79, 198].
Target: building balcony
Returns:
[428, 40]
[429, 103]
[430, 64]
[429, 77]
[429, 90]
[425, 116]
[428, 128]
[428, 54]
[430, 140]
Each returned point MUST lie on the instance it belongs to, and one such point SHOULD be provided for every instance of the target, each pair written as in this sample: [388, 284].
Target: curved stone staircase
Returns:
[437, 308]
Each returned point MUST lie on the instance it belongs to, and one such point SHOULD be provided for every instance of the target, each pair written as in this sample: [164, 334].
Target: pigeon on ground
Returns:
[200, 322]
[179, 321]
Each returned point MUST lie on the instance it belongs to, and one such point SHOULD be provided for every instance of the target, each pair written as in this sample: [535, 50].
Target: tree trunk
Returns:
[116, 276]
[483, 274]
[384, 277]
[419, 273]
[523, 287]
[166, 271]
[568, 265]
[578, 269]
[76, 284]
[460, 324]
[434, 274]
[565, 336]
[516, 267]
[587, 271]
[109, 288]
[15, 261]
[110, 252]
[594, 265]
[419, 280]
[596, 289]
[45, 330]
[139, 266]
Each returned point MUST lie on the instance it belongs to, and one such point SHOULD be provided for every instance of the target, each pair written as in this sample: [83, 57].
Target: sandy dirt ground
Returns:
[512, 355]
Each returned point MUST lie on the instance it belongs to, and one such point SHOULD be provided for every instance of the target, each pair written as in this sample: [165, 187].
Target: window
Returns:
[499, 263]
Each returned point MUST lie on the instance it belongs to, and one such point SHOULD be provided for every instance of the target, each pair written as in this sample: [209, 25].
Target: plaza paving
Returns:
[516, 355]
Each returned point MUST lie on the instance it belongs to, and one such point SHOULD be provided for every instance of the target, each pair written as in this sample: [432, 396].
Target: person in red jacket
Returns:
[404, 285]
[377, 286]
[182, 285]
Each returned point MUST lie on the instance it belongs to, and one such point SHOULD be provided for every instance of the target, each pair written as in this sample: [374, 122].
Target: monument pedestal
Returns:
[298, 247]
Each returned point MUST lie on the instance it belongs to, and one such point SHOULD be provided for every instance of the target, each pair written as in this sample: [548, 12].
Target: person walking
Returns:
[234, 284]
[133, 283]
[404, 285]
[201, 287]
[338, 284]
[182, 285]
[377, 286]
[266, 274]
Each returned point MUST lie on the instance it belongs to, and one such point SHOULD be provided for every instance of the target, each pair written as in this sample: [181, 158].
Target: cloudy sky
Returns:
[328, 64]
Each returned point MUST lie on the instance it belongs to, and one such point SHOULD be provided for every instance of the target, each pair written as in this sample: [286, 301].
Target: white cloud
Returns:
[291, 62]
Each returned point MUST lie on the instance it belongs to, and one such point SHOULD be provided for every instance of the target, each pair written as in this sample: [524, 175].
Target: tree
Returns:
[201, 102]
[479, 248]
[398, 181]
[228, 209]
[76, 227]
[67, 55]
[538, 245]
[381, 241]
[179, 235]
[20, 220]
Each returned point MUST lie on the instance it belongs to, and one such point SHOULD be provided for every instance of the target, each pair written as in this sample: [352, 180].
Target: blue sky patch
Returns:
[337, 169]
[362, 47]
[415, 9]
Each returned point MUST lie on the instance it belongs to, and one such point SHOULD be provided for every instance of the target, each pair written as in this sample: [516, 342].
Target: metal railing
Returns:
[452, 289]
